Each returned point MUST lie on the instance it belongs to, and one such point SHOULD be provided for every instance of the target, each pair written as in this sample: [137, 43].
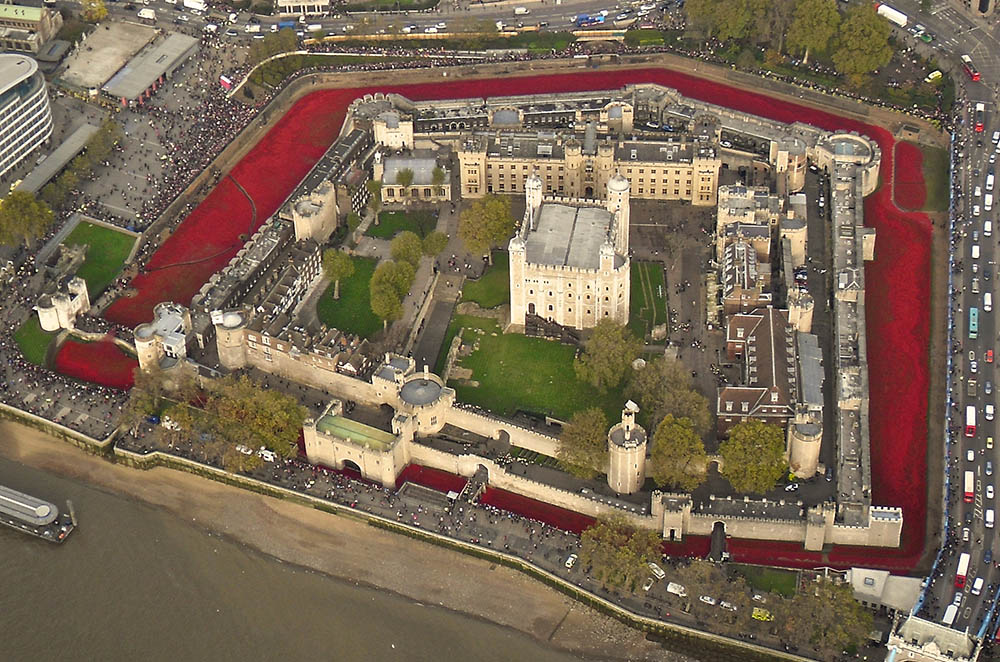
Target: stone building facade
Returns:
[569, 263]
[60, 309]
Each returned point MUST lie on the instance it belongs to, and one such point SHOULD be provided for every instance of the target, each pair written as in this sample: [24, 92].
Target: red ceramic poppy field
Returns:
[102, 362]
[898, 281]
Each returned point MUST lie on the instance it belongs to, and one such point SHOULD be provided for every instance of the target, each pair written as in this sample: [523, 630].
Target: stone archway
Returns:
[588, 192]
[351, 466]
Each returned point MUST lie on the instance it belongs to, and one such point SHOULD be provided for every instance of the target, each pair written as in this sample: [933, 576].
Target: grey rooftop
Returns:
[568, 236]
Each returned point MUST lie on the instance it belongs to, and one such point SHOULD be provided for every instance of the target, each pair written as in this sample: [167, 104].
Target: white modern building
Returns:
[24, 108]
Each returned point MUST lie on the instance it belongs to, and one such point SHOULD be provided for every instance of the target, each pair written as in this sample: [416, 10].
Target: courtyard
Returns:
[107, 250]
[390, 223]
[511, 373]
[352, 312]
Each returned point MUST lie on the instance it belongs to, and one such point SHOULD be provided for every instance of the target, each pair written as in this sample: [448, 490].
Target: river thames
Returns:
[134, 582]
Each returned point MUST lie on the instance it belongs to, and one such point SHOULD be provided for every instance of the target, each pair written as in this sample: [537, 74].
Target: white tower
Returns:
[618, 204]
[627, 453]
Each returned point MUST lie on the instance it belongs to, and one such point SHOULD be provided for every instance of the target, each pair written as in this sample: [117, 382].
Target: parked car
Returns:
[989, 491]
[648, 584]
[989, 412]
[571, 561]
[708, 600]
[970, 455]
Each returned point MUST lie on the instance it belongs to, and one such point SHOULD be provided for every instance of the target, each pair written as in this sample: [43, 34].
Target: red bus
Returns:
[970, 69]
[970, 421]
[980, 117]
[963, 570]
[970, 487]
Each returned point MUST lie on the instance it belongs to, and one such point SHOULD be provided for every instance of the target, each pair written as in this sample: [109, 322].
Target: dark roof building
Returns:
[764, 341]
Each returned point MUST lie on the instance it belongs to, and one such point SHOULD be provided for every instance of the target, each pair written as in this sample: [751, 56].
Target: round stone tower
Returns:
[627, 453]
[804, 441]
[618, 203]
[229, 326]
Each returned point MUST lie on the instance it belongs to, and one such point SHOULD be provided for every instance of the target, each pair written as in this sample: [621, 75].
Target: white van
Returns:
[987, 228]
[521, 11]
[988, 302]
[977, 586]
[975, 286]
[975, 251]
[989, 518]
[989, 182]
[988, 202]
[315, 27]
[657, 571]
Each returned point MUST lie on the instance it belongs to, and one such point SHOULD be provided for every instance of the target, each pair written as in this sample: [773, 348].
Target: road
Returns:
[547, 15]
[974, 377]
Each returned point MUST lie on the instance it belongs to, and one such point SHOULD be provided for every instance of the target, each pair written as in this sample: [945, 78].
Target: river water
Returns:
[138, 583]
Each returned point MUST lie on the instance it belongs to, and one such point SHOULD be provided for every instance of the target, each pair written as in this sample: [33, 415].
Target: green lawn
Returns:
[935, 178]
[493, 287]
[520, 373]
[34, 342]
[391, 223]
[106, 254]
[773, 580]
[648, 303]
[352, 313]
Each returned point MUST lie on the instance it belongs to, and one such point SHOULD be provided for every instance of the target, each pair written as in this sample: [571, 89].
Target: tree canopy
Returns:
[583, 444]
[404, 177]
[824, 615]
[407, 247]
[485, 224]
[374, 187]
[814, 26]
[438, 177]
[434, 243]
[244, 412]
[724, 20]
[23, 218]
[386, 304]
[237, 412]
[678, 459]
[337, 265]
[862, 42]
[664, 387]
[388, 287]
[93, 11]
[618, 553]
[398, 276]
[753, 456]
[607, 355]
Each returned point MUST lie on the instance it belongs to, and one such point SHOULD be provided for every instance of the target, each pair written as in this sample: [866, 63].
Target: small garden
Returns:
[107, 250]
[33, 341]
[648, 298]
[492, 289]
[352, 312]
[390, 223]
[512, 372]
[772, 580]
